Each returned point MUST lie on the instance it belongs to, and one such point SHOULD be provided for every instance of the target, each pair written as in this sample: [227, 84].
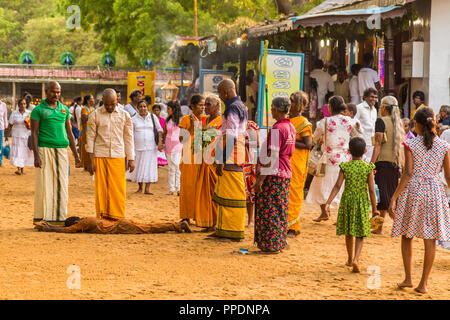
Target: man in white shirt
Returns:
[367, 77]
[353, 84]
[367, 115]
[324, 82]
[131, 108]
[3, 126]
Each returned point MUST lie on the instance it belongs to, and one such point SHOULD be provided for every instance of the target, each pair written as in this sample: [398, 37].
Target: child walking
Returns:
[353, 218]
[419, 206]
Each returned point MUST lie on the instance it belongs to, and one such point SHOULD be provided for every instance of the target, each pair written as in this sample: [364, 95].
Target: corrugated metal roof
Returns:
[337, 5]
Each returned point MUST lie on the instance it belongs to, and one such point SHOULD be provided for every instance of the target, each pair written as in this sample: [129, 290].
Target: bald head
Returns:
[110, 99]
[53, 93]
[227, 90]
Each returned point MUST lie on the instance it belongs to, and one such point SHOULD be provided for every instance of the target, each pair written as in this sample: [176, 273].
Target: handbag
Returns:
[155, 131]
[317, 159]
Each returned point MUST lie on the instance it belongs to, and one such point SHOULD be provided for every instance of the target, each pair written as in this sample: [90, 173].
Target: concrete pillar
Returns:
[439, 60]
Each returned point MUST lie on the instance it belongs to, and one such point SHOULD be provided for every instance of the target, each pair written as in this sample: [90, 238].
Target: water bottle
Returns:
[377, 193]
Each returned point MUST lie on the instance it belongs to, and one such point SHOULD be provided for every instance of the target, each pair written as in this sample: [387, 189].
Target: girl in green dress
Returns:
[353, 217]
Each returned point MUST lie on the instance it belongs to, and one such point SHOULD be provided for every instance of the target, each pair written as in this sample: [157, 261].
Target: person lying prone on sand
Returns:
[103, 226]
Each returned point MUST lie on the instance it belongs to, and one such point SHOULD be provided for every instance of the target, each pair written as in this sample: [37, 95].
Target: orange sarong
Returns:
[110, 188]
[299, 166]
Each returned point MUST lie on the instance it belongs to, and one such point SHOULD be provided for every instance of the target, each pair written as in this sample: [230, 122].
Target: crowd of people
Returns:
[224, 176]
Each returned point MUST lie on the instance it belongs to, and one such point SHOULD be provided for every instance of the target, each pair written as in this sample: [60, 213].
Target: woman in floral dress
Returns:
[419, 206]
[339, 129]
[273, 181]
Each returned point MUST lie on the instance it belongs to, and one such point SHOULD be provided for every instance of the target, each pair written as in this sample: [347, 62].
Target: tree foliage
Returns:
[147, 28]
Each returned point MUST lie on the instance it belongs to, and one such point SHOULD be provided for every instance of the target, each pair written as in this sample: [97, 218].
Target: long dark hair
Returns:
[176, 114]
[86, 98]
[425, 116]
[337, 104]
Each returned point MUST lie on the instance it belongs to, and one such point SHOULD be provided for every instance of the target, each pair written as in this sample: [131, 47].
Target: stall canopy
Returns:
[346, 16]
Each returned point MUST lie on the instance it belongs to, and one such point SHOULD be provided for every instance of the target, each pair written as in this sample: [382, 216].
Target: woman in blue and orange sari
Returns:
[191, 160]
[299, 160]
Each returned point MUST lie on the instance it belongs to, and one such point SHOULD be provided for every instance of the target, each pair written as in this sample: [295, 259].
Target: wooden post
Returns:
[306, 77]
[43, 91]
[342, 46]
[243, 70]
[389, 62]
[13, 95]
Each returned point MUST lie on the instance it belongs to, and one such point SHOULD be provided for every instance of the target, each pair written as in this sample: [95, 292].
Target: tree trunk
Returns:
[283, 6]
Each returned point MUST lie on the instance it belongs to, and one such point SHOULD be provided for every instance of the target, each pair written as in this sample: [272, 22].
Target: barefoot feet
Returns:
[405, 284]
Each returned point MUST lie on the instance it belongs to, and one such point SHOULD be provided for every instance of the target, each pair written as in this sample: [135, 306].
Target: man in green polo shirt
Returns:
[51, 134]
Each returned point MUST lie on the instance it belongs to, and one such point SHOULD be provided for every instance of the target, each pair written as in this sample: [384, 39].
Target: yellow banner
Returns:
[144, 81]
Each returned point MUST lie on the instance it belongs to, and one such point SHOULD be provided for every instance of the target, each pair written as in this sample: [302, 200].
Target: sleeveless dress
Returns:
[353, 216]
[422, 209]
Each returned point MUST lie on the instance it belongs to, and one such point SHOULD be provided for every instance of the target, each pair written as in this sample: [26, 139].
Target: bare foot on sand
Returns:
[148, 192]
[422, 290]
[377, 231]
[356, 268]
[321, 218]
[404, 284]
[348, 263]
[185, 226]
[139, 190]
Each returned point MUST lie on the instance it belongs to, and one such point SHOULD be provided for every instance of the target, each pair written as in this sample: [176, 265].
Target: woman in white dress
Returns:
[338, 129]
[19, 127]
[145, 146]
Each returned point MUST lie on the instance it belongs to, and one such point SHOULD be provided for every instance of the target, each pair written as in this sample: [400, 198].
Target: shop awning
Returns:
[346, 16]
[270, 28]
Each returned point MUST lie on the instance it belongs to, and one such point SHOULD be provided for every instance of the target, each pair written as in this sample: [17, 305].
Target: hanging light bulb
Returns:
[322, 43]
[328, 42]
[238, 41]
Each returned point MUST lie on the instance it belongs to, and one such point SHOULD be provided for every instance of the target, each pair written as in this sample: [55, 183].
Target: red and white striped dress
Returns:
[422, 209]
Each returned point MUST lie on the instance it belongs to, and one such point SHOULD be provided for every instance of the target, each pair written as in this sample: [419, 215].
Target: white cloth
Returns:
[367, 78]
[144, 137]
[174, 160]
[367, 116]
[130, 109]
[321, 187]
[185, 110]
[120, 105]
[354, 90]
[3, 116]
[324, 83]
[16, 119]
[20, 155]
[146, 167]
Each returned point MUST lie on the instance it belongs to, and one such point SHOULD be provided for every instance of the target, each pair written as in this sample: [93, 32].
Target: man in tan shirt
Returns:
[102, 226]
[109, 141]
[341, 85]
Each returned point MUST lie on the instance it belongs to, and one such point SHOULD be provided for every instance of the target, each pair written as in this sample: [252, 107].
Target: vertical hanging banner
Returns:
[283, 73]
[142, 80]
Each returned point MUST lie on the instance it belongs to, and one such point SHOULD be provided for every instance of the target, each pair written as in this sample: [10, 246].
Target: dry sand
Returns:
[187, 266]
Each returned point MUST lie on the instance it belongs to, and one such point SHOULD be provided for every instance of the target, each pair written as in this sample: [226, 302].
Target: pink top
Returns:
[281, 140]
[325, 111]
[173, 144]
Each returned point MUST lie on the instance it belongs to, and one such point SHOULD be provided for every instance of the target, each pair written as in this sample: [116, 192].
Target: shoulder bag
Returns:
[155, 131]
[317, 159]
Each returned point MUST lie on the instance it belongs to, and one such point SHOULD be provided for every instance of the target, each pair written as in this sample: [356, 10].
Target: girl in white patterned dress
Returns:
[419, 206]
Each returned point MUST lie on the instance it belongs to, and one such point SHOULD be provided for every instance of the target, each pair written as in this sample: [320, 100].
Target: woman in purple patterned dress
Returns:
[273, 181]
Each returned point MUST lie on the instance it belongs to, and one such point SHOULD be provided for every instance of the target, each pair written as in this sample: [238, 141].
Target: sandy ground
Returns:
[187, 266]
